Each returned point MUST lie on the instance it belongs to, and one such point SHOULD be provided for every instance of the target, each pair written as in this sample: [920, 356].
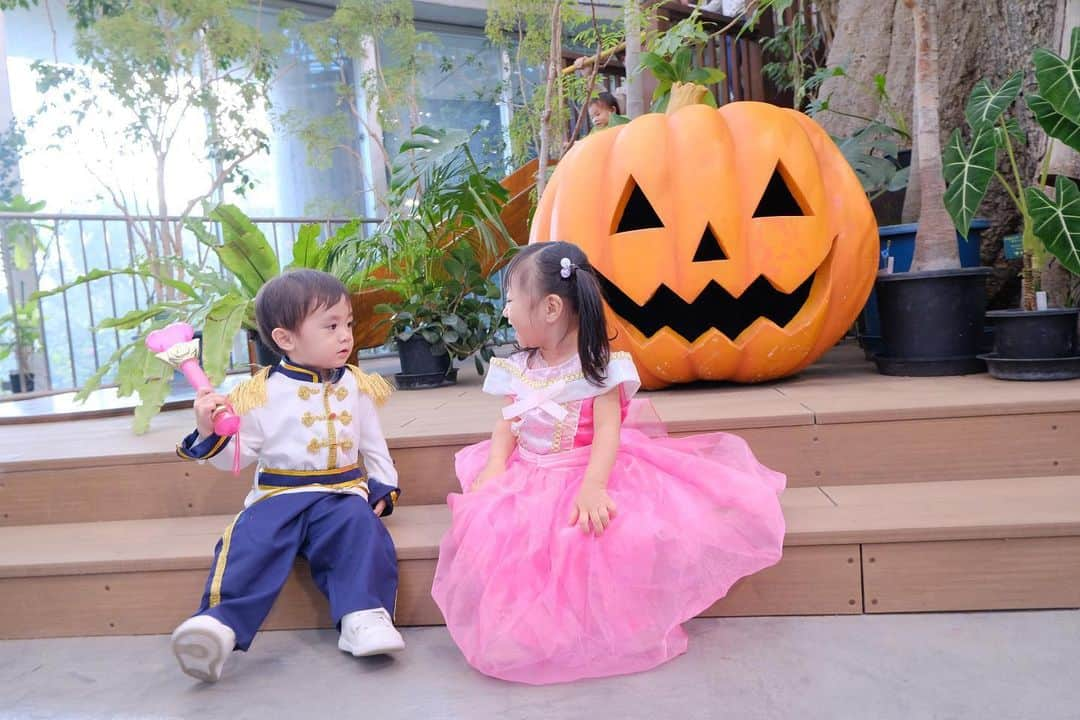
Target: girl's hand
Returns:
[486, 474]
[206, 401]
[592, 505]
[379, 507]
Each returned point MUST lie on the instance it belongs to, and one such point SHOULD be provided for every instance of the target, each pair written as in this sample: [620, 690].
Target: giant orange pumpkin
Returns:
[732, 244]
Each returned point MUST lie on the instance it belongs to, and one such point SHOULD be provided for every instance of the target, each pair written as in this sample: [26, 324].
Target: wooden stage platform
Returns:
[905, 494]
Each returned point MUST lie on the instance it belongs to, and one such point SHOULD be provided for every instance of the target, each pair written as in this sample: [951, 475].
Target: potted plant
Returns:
[1033, 342]
[24, 251]
[20, 334]
[438, 196]
[449, 315]
[931, 316]
[432, 257]
[879, 152]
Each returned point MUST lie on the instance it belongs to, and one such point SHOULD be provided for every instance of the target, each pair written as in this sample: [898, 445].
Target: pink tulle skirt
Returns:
[529, 598]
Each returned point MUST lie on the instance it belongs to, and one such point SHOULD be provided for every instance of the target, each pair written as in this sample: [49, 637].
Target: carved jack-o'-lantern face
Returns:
[732, 244]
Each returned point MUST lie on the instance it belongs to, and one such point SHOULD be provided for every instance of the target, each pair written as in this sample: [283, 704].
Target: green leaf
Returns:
[899, 180]
[245, 251]
[968, 172]
[1011, 131]
[706, 76]
[152, 396]
[135, 318]
[1056, 222]
[223, 322]
[306, 247]
[137, 271]
[986, 104]
[1059, 79]
[1054, 123]
[661, 68]
[141, 373]
[94, 381]
[680, 61]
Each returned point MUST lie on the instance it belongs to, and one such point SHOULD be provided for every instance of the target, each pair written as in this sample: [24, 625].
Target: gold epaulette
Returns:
[371, 384]
[251, 393]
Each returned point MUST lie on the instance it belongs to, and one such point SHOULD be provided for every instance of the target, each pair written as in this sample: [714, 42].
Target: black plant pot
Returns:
[1034, 344]
[932, 322]
[420, 368]
[888, 206]
[17, 384]
[259, 353]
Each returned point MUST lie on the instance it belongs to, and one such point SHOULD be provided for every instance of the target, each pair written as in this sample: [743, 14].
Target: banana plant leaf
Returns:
[244, 252]
[223, 322]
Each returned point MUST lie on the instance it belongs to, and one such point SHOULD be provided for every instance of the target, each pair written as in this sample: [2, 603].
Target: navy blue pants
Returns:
[350, 552]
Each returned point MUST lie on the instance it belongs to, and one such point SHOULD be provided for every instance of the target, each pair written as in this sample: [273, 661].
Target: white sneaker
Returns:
[369, 632]
[202, 644]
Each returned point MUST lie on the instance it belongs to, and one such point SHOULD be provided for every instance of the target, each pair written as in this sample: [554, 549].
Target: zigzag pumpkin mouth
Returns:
[714, 308]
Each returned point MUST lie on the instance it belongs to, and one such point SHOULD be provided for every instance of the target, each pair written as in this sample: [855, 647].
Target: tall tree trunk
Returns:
[986, 39]
[935, 242]
[635, 101]
[554, 66]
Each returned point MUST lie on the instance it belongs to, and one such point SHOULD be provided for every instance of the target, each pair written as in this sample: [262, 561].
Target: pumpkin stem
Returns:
[683, 94]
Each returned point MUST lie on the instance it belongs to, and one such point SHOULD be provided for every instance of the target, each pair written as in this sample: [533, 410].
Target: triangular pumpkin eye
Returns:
[709, 247]
[638, 213]
[778, 200]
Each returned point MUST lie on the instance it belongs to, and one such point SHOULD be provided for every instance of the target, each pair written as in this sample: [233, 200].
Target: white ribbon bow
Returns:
[544, 398]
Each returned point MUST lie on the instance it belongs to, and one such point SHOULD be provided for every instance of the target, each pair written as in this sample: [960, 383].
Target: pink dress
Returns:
[531, 599]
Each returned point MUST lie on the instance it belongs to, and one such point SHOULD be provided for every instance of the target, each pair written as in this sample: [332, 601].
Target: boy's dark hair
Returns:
[607, 100]
[288, 299]
[542, 265]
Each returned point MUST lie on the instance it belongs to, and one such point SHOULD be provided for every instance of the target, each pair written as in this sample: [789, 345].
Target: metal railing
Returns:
[64, 346]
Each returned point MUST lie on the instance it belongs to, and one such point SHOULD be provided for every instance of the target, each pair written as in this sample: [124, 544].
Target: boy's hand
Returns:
[206, 401]
[379, 507]
[592, 504]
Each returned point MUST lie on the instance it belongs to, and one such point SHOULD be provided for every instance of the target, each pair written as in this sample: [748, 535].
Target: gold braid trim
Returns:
[371, 384]
[251, 393]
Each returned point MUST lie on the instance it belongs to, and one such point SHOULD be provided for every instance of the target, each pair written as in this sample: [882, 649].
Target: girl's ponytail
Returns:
[592, 325]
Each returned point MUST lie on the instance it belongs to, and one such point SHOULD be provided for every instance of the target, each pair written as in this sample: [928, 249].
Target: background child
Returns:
[310, 423]
[604, 112]
[580, 544]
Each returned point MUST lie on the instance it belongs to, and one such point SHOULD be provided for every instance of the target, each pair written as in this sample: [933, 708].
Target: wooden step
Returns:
[965, 545]
[128, 480]
[837, 424]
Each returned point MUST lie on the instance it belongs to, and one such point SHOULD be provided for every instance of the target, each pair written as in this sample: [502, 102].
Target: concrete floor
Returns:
[985, 666]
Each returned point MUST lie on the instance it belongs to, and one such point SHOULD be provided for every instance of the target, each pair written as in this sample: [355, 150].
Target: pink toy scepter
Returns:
[176, 346]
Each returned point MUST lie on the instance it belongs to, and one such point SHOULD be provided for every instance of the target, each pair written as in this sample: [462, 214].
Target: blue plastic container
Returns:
[898, 242]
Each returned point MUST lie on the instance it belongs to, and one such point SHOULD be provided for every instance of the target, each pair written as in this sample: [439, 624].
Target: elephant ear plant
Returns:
[1050, 221]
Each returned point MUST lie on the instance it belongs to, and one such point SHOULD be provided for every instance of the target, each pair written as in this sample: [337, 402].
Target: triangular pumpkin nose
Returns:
[709, 247]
